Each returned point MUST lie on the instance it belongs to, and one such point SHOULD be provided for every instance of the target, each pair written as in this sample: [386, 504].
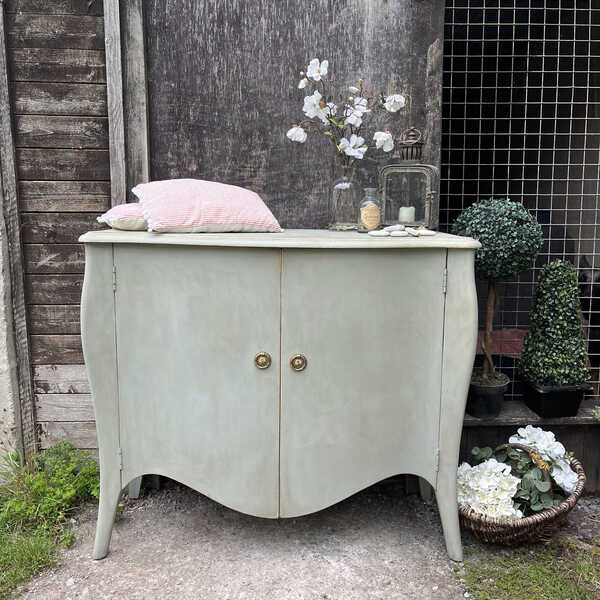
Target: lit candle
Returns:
[406, 214]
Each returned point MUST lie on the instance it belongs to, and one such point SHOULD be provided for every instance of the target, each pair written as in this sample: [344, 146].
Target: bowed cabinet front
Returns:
[278, 373]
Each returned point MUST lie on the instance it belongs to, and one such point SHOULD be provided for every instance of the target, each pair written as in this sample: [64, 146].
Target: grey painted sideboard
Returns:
[278, 373]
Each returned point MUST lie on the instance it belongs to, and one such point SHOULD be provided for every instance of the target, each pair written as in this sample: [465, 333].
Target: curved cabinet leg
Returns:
[109, 498]
[448, 507]
[133, 489]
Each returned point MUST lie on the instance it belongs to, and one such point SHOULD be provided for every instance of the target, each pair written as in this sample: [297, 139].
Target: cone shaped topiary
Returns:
[554, 351]
[510, 241]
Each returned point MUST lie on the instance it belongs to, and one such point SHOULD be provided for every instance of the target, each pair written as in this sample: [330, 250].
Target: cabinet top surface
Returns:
[289, 238]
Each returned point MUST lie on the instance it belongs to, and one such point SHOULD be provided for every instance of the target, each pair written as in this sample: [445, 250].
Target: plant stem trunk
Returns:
[488, 366]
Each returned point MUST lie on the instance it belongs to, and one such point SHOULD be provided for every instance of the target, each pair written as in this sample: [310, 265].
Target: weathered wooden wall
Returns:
[223, 76]
[58, 93]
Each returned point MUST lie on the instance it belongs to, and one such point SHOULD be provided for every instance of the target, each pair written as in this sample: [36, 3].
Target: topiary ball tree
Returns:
[554, 350]
[510, 241]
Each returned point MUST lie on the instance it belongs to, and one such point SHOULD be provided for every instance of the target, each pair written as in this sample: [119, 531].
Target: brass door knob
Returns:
[298, 362]
[262, 360]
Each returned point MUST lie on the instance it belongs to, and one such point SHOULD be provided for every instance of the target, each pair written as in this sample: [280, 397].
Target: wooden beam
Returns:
[64, 196]
[64, 407]
[65, 164]
[41, 131]
[8, 196]
[53, 258]
[80, 434]
[56, 7]
[135, 95]
[54, 31]
[41, 98]
[114, 80]
[57, 65]
[60, 379]
[53, 289]
[56, 350]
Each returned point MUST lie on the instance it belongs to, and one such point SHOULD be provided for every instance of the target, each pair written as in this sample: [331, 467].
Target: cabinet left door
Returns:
[193, 405]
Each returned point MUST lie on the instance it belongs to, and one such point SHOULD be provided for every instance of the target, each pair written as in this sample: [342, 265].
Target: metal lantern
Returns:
[408, 188]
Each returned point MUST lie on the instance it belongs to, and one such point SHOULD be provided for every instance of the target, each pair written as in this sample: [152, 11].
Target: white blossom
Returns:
[551, 450]
[297, 134]
[354, 146]
[317, 69]
[354, 114]
[353, 89]
[394, 103]
[354, 119]
[360, 105]
[303, 83]
[488, 489]
[312, 107]
[384, 140]
[330, 109]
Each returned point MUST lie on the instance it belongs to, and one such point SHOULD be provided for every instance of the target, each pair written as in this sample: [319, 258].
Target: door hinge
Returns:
[120, 458]
[114, 278]
[445, 280]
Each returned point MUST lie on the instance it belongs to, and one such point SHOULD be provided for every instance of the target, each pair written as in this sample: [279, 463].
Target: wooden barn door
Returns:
[223, 88]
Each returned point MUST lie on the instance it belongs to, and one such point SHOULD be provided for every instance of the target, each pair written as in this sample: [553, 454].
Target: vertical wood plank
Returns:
[136, 95]
[25, 416]
[114, 80]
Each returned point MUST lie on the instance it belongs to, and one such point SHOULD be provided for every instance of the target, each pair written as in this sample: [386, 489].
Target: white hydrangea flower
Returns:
[317, 69]
[297, 134]
[488, 489]
[564, 476]
[312, 107]
[394, 103]
[354, 146]
[303, 83]
[384, 140]
[551, 450]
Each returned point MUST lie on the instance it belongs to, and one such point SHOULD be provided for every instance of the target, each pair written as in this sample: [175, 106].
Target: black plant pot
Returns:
[554, 402]
[486, 401]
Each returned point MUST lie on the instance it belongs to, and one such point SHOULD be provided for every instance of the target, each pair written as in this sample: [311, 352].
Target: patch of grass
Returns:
[34, 505]
[22, 555]
[564, 570]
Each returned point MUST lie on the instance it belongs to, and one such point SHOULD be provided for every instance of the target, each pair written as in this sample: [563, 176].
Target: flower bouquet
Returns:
[342, 118]
[521, 491]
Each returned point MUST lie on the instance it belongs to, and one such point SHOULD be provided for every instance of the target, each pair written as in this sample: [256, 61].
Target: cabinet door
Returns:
[366, 407]
[193, 405]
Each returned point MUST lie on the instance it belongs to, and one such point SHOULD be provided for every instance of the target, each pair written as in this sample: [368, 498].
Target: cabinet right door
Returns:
[366, 406]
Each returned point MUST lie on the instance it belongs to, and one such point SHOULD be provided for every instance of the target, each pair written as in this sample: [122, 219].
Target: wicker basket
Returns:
[536, 528]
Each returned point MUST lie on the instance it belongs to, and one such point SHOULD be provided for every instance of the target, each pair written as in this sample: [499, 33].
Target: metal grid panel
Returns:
[521, 118]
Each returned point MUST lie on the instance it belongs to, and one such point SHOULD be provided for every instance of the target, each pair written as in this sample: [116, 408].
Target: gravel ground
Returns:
[176, 543]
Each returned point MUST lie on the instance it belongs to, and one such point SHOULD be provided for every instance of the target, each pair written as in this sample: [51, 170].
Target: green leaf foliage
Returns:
[510, 237]
[41, 499]
[554, 351]
[34, 504]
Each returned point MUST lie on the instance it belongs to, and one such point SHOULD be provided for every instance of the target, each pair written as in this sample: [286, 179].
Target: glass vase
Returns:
[345, 199]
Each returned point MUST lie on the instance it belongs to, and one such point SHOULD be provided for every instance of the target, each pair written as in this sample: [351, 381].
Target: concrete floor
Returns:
[176, 543]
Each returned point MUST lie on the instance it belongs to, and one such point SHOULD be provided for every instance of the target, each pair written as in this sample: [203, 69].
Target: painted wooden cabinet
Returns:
[278, 373]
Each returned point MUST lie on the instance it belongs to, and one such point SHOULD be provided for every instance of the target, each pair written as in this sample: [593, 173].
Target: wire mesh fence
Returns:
[521, 119]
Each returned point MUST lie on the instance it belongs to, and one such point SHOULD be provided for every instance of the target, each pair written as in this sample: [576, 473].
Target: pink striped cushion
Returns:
[193, 205]
[125, 216]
